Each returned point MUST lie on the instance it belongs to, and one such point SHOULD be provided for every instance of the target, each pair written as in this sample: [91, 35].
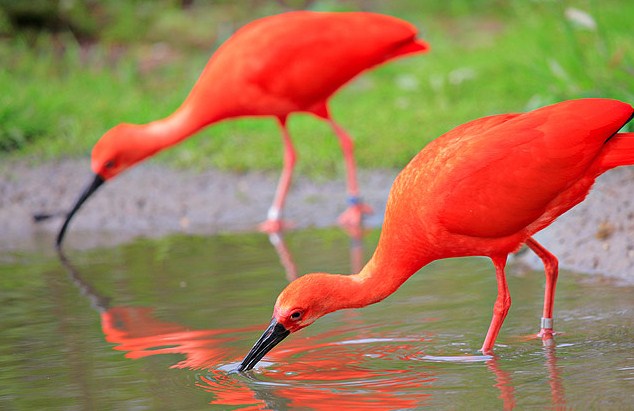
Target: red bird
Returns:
[482, 189]
[275, 66]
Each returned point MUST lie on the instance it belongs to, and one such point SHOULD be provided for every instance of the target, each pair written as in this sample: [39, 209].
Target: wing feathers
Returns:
[618, 151]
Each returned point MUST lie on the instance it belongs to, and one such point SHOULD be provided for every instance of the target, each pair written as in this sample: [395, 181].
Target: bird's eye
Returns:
[109, 164]
[296, 315]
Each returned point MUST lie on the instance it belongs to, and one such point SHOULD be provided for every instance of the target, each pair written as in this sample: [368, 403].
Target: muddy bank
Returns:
[153, 201]
[595, 237]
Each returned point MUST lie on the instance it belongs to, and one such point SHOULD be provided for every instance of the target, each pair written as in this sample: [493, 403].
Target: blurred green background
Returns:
[71, 69]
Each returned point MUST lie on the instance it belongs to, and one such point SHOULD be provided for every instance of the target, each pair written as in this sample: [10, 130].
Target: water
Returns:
[162, 324]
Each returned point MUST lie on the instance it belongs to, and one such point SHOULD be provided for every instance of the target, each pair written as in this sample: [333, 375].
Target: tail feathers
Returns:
[415, 46]
[407, 47]
[618, 151]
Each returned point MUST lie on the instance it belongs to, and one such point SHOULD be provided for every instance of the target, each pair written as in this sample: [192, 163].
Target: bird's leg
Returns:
[356, 208]
[274, 221]
[551, 269]
[501, 307]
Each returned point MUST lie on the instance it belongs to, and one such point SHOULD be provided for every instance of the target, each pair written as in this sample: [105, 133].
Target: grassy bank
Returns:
[59, 96]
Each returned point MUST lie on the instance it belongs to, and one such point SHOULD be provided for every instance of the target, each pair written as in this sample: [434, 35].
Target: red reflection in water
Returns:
[343, 371]
[558, 397]
[306, 383]
[302, 398]
[308, 374]
[237, 394]
[503, 383]
[332, 375]
[135, 330]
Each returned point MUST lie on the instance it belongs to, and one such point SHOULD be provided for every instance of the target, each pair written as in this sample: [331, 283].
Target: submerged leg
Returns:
[274, 221]
[501, 307]
[551, 269]
[356, 208]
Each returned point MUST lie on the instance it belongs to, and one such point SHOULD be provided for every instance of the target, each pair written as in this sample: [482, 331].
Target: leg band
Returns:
[273, 214]
[547, 323]
[354, 200]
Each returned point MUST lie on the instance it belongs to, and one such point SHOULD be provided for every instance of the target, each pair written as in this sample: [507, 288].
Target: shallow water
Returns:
[162, 324]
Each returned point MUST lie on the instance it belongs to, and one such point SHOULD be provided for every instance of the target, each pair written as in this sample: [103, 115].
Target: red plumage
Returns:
[275, 66]
[484, 188]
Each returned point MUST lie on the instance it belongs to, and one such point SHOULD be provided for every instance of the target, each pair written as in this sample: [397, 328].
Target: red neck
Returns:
[173, 129]
[384, 274]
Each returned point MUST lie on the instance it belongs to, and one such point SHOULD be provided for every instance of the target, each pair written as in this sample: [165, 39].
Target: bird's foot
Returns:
[486, 350]
[353, 216]
[274, 226]
[548, 337]
[546, 331]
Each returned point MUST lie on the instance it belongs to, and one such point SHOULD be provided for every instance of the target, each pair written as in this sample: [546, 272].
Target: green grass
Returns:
[487, 57]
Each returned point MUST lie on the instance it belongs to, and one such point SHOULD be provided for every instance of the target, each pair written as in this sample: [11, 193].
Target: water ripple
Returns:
[366, 372]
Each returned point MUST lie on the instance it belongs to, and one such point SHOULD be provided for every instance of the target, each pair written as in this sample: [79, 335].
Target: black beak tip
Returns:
[88, 191]
[272, 336]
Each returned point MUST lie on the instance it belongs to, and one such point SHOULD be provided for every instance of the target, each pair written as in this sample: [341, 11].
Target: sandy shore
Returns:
[596, 237]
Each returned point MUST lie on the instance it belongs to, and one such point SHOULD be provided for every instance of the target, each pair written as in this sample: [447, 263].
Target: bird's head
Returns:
[117, 150]
[301, 303]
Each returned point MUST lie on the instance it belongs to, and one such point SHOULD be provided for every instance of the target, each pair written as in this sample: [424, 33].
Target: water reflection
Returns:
[351, 366]
[137, 332]
[558, 398]
[357, 259]
[305, 375]
[503, 383]
[286, 259]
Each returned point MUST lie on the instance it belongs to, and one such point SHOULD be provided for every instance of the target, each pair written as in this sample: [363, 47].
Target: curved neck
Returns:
[382, 277]
[173, 129]
[391, 265]
[379, 279]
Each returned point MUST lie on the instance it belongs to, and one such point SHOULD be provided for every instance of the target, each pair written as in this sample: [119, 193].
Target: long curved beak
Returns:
[269, 339]
[94, 185]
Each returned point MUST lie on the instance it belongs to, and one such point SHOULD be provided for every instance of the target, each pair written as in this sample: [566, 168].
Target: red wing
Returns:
[502, 180]
[297, 60]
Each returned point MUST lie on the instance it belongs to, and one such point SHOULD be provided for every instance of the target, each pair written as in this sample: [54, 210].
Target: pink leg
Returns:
[551, 269]
[274, 221]
[354, 214]
[501, 307]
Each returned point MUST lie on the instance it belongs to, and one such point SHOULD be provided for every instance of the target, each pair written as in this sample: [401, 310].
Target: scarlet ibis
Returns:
[482, 189]
[274, 66]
